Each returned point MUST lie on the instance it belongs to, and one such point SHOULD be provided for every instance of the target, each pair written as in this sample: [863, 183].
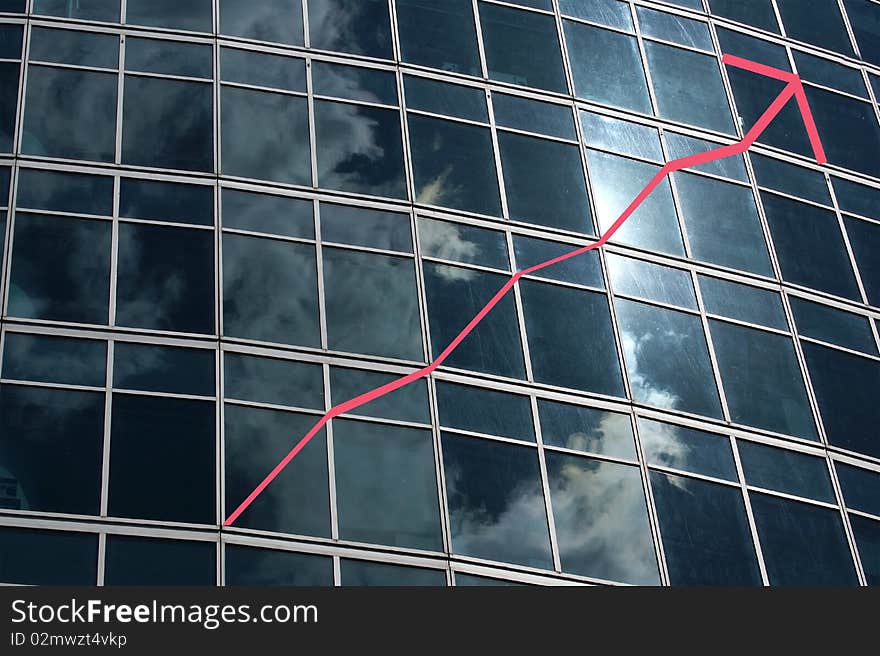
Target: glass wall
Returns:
[222, 218]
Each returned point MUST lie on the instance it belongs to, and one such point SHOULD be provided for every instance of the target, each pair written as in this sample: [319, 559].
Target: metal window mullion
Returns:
[319, 260]
[496, 148]
[439, 468]
[653, 515]
[520, 310]
[481, 48]
[713, 359]
[753, 527]
[120, 105]
[105, 457]
[313, 139]
[331, 459]
[102, 555]
[848, 27]
[545, 486]
[846, 242]
[640, 42]
[847, 526]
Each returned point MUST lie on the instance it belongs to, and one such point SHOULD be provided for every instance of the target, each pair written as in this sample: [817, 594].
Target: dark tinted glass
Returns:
[33, 557]
[372, 304]
[193, 15]
[866, 26]
[790, 179]
[66, 192]
[262, 69]
[496, 502]
[166, 201]
[557, 318]
[60, 269]
[169, 57]
[667, 358]
[522, 47]
[166, 278]
[867, 533]
[762, 380]
[265, 135]
[818, 22]
[583, 269]
[364, 573]
[682, 145]
[601, 519]
[69, 113]
[270, 291]
[51, 444]
[810, 247]
[802, 544]
[653, 282]
[97, 10]
[706, 536]
[832, 325]
[864, 238]
[785, 471]
[339, 25]
[830, 74]
[166, 446]
[731, 299]
[279, 21]
[163, 369]
[857, 198]
[586, 429]
[280, 382]
[290, 217]
[409, 403]
[485, 411]
[757, 13]
[463, 243]
[359, 226]
[145, 561]
[298, 501]
[360, 149]
[454, 165]
[386, 491]
[46, 359]
[545, 183]
[850, 129]
[9, 105]
[447, 99]
[861, 488]
[66, 47]
[455, 296]
[677, 447]
[252, 566]
[533, 116]
[354, 83]
[439, 35]
[846, 387]
[168, 124]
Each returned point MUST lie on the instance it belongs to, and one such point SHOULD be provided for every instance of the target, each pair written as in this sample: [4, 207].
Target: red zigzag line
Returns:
[793, 88]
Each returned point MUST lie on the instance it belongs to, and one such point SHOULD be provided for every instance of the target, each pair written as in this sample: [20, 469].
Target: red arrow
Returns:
[793, 88]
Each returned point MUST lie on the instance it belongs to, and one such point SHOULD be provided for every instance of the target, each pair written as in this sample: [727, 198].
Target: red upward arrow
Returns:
[792, 88]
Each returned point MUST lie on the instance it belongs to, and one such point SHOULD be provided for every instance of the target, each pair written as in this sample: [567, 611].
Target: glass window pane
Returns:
[145, 561]
[386, 489]
[360, 149]
[865, 240]
[601, 519]
[166, 201]
[265, 135]
[463, 243]
[279, 215]
[802, 544]
[358, 226]
[47, 359]
[583, 269]
[606, 67]
[71, 47]
[447, 99]
[65, 192]
[861, 488]
[849, 411]
[667, 358]
[51, 444]
[278, 21]
[790, 179]
[93, 10]
[688, 449]
[496, 502]
[606, 12]
[558, 320]
[60, 269]
[722, 224]
[544, 181]
[586, 429]
[365, 573]
[706, 536]
[810, 247]
[169, 57]
[298, 501]
[742, 302]
[439, 35]
[533, 116]
[166, 446]
[9, 105]
[168, 124]
[455, 295]
[253, 566]
[617, 181]
[354, 83]
[195, 15]
[522, 47]
[454, 165]
[270, 291]
[671, 27]
[262, 69]
[32, 557]
[650, 281]
[338, 25]
[267, 380]
[52, 129]
[682, 145]
[163, 369]
[830, 74]
[865, 25]
[408, 403]
[818, 22]
[867, 534]
[166, 279]
[485, 411]
[857, 198]
[785, 471]
[619, 136]
[372, 304]
[832, 325]
[757, 13]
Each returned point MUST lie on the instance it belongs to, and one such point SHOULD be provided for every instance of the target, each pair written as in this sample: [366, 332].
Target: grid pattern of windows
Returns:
[221, 218]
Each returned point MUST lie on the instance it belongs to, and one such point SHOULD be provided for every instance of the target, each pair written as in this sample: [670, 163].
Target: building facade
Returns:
[225, 217]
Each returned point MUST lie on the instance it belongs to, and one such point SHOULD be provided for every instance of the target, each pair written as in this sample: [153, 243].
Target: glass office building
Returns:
[223, 217]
